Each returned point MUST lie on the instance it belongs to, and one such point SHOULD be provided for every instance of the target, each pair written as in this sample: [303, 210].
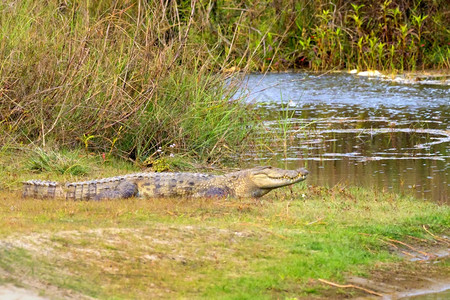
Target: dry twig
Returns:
[443, 240]
[411, 247]
[393, 245]
[350, 286]
[316, 221]
[408, 254]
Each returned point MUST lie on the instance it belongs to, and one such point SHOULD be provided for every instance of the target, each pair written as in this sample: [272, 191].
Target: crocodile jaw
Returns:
[271, 178]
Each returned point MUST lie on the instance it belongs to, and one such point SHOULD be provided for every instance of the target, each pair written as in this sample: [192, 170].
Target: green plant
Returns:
[381, 55]
[360, 53]
[418, 21]
[357, 18]
[373, 49]
[56, 162]
[391, 57]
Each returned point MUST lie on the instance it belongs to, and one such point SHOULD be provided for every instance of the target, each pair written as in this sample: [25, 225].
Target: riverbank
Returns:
[279, 246]
[147, 75]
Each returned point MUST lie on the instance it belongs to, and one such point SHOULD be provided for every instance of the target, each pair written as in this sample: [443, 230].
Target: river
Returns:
[352, 130]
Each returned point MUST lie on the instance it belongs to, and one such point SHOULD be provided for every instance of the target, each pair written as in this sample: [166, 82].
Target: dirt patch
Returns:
[395, 281]
[12, 292]
[24, 288]
[423, 271]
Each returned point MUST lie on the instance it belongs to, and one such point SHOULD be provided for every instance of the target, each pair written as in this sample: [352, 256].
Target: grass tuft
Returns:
[64, 163]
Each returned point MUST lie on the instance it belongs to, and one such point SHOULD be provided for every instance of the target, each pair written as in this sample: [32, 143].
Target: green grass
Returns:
[205, 248]
[52, 161]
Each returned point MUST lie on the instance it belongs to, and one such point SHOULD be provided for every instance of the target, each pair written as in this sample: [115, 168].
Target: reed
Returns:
[125, 79]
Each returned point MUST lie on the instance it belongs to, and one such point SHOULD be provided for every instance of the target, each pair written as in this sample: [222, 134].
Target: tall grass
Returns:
[123, 78]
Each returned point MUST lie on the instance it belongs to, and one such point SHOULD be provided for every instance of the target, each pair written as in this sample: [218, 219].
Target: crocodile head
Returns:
[258, 181]
[271, 178]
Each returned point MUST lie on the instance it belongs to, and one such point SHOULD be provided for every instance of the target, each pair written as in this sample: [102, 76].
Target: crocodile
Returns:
[249, 183]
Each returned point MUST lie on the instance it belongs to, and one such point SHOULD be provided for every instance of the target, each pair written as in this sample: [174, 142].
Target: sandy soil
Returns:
[11, 292]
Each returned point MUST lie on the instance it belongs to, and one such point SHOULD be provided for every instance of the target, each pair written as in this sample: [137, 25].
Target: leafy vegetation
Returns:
[392, 35]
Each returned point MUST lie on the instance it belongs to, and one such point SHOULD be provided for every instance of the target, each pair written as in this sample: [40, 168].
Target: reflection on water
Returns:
[356, 131]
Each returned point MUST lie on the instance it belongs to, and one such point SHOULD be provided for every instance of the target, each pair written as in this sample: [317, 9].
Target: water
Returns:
[442, 295]
[352, 130]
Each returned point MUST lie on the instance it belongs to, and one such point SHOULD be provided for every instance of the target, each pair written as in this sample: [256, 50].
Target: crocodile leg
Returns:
[214, 192]
[125, 189]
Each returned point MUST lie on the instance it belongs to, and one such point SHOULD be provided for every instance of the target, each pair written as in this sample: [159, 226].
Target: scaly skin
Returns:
[250, 183]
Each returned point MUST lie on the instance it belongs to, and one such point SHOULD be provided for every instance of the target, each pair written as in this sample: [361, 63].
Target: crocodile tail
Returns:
[51, 189]
[87, 190]
[42, 189]
[82, 190]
